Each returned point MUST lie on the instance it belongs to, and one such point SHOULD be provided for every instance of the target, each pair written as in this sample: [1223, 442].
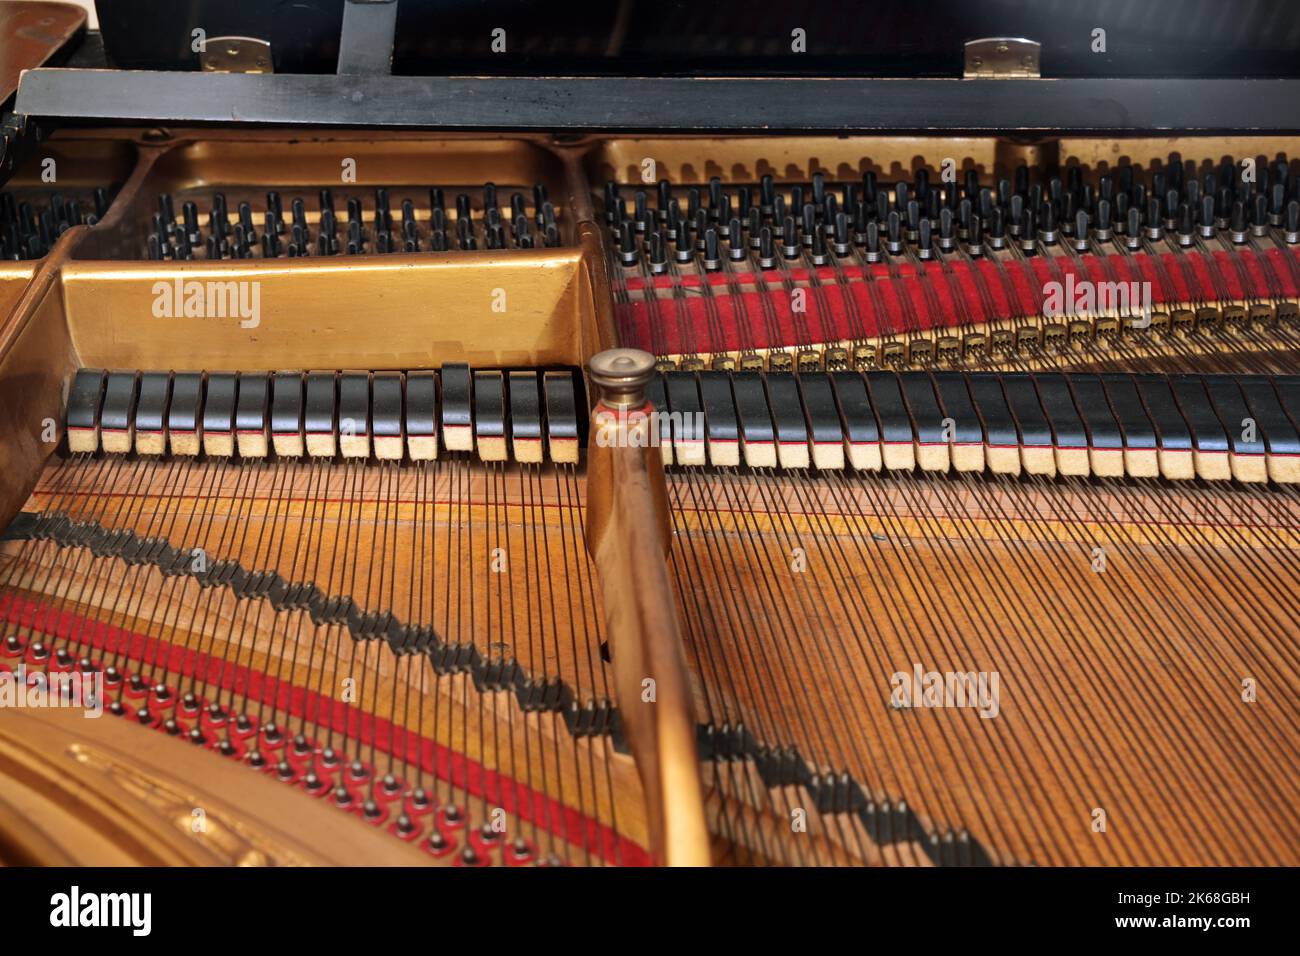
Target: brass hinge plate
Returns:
[236, 55]
[1002, 58]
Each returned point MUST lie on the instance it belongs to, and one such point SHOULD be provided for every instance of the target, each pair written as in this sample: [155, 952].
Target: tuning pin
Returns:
[276, 209]
[947, 232]
[165, 209]
[735, 240]
[1237, 224]
[190, 217]
[658, 254]
[1133, 228]
[753, 225]
[665, 189]
[859, 222]
[712, 252]
[1186, 231]
[1121, 210]
[766, 249]
[965, 211]
[818, 188]
[913, 212]
[809, 224]
[640, 203]
[1207, 227]
[974, 237]
[921, 185]
[1022, 180]
[1223, 201]
[1028, 232]
[1170, 209]
[1277, 204]
[742, 202]
[701, 226]
[997, 228]
[1291, 223]
[841, 242]
[1103, 229]
[683, 247]
[523, 234]
[900, 195]
[1155, 226]
[894, 233]
[692, 202]
[1004, 192]
[766, 194]
[869, 188]
[101, 202]
[674, 219]
[627, 250]
[819, 253]
[465, 232]
[1081, 231]
[1175, 168]
[715, 197]
[270, 239]
[830, 209]
[789, 238]
[951, 196]
[246, 220]
[1015, 207]
[1048, 232]
[925, 241]
[1259, 215]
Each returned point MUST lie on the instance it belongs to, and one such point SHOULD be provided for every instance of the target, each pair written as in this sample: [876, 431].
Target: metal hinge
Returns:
[236, 55]
[1002, 58]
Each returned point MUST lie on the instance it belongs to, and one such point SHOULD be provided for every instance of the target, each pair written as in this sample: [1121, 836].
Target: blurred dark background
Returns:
[1208, 38]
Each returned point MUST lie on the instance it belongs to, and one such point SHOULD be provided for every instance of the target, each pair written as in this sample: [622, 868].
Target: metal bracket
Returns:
[1002, 58]
[236, 55]
[366, 43]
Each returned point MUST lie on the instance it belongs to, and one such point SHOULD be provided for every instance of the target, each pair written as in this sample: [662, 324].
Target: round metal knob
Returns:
[622, 375]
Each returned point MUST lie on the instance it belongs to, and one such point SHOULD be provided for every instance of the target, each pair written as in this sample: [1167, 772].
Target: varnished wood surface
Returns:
[98, 792]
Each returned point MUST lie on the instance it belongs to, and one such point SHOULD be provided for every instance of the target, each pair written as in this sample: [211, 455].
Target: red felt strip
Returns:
[897, 301]
[512, 795]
